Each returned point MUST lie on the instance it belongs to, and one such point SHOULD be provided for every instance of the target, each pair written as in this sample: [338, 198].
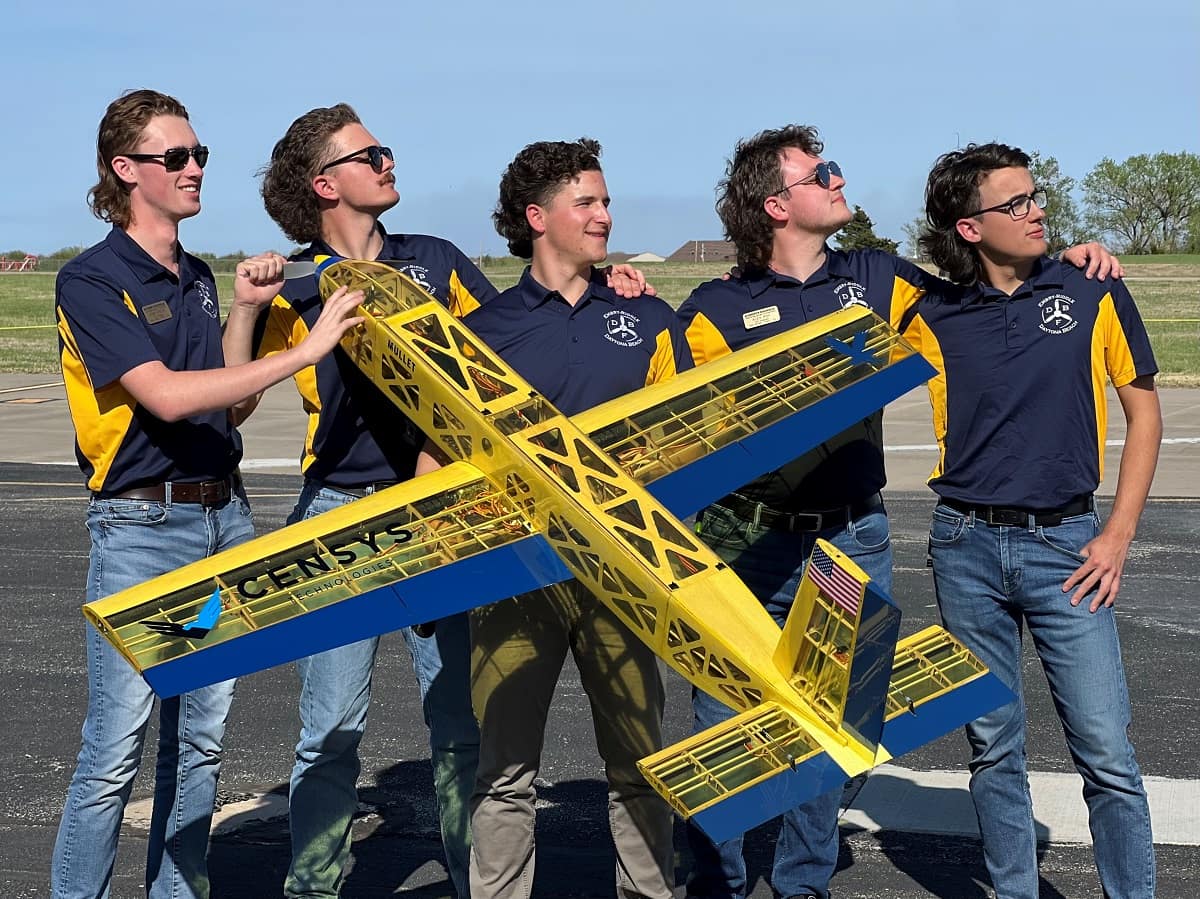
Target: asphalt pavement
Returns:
[910, 833]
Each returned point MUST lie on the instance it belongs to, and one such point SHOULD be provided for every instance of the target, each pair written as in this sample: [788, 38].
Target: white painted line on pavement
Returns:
[229, 817]
[932, 447]
[893, 799]
[249, 464]
[900, 799]
[31, 387]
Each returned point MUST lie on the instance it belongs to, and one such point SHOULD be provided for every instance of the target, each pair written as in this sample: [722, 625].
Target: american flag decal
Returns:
[835, 581]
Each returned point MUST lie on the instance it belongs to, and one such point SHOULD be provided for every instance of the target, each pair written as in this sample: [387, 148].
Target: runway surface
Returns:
[910, 832]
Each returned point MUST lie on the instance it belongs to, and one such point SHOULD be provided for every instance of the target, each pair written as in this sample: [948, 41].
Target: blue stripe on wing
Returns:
[480, 579]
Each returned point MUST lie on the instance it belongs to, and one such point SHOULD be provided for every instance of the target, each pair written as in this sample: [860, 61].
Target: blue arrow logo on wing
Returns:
[205, 621]
[856, 351]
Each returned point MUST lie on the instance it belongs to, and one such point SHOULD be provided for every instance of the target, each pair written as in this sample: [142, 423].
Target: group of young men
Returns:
[156, 388]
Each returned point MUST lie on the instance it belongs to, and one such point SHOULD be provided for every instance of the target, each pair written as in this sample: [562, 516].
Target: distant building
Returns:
[646, 257]
[705, 251]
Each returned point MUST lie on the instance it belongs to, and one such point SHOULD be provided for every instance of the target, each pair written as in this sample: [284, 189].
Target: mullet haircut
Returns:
[532, 179]
[952, 193]
[752, 175]
[298, 156]
[120, 132]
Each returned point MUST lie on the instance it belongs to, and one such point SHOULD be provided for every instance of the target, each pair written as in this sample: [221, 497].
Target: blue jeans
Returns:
[771, 563]
[990, 582]
[132, 541]
[335, 691]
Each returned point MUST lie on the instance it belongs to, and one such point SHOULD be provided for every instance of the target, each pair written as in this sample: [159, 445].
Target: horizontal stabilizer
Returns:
[763, 762]
[937, 685]
[742, 772]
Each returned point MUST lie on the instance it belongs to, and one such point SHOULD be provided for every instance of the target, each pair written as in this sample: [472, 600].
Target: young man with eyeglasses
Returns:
[140, 344]
[579, 343]
[780, 202]
[1023, 350]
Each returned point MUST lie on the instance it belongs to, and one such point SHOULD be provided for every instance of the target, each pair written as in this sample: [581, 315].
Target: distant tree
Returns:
[1193, 241]
[14, 255]
[1063, 225]
[912, 233]
[1146, 203]
[859, 234]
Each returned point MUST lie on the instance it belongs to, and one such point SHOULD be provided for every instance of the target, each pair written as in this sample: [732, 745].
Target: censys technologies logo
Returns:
[325, 565]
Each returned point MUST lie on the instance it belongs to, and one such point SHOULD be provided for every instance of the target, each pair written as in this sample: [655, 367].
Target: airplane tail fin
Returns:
[837, 647]
[865, 698]
[759, 764]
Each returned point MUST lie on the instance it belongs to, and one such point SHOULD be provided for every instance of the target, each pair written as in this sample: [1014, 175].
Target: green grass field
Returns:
[1168, 294]
[1168, 259]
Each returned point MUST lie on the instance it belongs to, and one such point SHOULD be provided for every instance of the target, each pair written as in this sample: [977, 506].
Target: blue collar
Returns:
[1046, 273]
[393, 247]
[834, 266]
[534, 294]
[145, 267]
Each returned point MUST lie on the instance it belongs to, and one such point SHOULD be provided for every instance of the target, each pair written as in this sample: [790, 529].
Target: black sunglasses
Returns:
[174, 159]
[1018, 207]
[375, 156]
[823, 175]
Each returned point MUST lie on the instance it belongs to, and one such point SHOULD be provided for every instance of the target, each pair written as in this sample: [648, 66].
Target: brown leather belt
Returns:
[205, 493]
[802, 522]
[1006, 516]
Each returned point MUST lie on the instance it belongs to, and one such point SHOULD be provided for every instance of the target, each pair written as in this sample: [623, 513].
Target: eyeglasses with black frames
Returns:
[176, 158]
[823, 175]
[374, 158]
[1017, 207]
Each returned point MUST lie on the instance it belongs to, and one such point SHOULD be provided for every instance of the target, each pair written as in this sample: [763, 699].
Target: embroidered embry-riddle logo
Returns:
[1056, 314]
[619, 326]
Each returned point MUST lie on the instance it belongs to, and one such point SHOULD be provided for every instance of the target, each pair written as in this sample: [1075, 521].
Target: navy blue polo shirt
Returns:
[117, 308]
[722, 316]
[1019, 404]
[355, 435]
[580, 356]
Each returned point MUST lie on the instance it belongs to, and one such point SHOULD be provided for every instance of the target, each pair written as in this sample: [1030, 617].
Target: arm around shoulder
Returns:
[175, 395]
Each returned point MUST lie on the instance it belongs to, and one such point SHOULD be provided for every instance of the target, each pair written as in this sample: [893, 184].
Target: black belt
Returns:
[806, 522]
[206, 493]
[361, 490]
[998, 516]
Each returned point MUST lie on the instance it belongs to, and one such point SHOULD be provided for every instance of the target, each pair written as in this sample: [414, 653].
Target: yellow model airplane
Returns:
[535, 497]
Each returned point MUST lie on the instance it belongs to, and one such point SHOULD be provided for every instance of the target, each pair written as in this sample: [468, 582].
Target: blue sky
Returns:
[458, 88]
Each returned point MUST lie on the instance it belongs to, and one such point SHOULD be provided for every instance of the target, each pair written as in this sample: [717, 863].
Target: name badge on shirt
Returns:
[156, 312]
[760, 317]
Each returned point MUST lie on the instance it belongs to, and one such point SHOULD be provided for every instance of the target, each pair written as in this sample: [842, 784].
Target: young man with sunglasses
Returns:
[1023, 349]
[579, 343]
[780, 202]
[327, 184]
[140, 343]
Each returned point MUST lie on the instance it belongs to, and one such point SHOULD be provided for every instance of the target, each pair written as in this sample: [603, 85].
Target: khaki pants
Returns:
[518, 649]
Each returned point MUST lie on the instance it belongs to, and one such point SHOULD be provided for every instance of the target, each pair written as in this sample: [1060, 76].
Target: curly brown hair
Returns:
[298, 156]
[952, 193]
[120, 132]
[532, 178]
[751, 176]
